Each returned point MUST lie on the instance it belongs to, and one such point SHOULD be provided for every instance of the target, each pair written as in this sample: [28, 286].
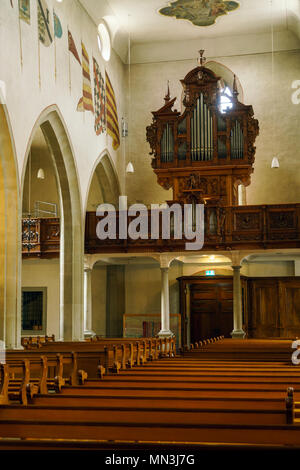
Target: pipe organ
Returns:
[206, 151]
[201, 131]
[167, 144]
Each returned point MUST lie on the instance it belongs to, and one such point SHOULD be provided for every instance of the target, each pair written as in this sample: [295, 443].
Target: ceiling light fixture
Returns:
[130, 168]
[275, 162]
[41, 174]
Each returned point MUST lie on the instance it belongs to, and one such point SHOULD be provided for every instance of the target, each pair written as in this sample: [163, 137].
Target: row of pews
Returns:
[197, 398]
[52, 365]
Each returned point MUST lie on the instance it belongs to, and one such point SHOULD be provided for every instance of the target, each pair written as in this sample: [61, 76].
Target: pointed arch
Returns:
[71, 224]
[106, 177]
[10, 237]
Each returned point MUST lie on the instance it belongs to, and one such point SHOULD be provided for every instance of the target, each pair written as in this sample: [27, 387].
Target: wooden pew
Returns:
[114, 356]
[4, 381]
[37, 423]
[40, 373]
[33, 342]
[196, 400]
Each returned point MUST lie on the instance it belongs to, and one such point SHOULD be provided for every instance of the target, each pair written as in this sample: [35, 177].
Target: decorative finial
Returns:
[168, 97]
[234, 88]
[201, 59]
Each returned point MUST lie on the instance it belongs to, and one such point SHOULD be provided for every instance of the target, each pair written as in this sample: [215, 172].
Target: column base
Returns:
[89, 333]
[238, 334]
[165, 334]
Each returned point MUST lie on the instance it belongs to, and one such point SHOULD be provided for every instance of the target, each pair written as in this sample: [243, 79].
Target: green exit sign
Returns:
[211, 272]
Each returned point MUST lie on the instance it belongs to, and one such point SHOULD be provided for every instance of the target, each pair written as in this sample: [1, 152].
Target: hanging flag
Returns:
[58, 32]
[112, 125]
[72, 47]
[44, 26]
[24, 10]
[86, 101]
[99, 99]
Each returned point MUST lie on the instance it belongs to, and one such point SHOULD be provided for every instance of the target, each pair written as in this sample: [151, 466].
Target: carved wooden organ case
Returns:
[203, 153]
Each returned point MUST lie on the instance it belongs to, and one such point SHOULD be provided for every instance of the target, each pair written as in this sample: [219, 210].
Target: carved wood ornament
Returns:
[205, 152]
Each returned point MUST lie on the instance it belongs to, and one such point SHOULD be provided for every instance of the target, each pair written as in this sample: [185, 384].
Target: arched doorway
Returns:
[50, 125]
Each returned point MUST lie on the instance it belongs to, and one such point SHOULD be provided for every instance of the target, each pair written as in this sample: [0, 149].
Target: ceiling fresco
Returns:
[199, 12]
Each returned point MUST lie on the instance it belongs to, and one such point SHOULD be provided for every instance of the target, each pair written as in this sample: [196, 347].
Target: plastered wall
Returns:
[29, 92]
[45, 273]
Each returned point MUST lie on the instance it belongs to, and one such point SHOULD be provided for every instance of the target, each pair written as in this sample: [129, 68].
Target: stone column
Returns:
[88, 302]
[237, 304]
[165, 303]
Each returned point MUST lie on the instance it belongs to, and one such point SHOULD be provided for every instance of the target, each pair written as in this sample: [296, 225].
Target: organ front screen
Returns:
[210, 142]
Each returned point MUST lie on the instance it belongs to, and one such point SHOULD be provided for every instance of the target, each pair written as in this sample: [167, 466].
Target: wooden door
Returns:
[211, 309]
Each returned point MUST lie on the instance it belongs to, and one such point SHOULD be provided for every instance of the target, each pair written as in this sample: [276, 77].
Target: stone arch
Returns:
[104, 175]
[10, 237]
[72, 221]
[103, 187]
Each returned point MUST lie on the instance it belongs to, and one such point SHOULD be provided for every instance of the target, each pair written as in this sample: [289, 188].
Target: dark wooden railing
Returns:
[44, 239]
[226, 228]
[234, 228]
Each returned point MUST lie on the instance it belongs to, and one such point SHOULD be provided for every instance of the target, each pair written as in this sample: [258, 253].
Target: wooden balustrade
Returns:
[231, 227]
[44, 238]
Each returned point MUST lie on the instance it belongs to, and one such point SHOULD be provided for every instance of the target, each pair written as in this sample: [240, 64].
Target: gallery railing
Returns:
[234, 228]
[225, 228]
[40, 237]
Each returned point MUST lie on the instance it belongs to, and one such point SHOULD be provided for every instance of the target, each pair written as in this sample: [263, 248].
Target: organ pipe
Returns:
[237, 142]
[201, 132]
[167, 144]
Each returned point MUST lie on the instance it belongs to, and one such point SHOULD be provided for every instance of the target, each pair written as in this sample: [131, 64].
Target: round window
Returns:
[104, 41]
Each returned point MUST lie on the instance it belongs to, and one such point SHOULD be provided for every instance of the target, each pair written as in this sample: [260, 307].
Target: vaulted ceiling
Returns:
[148, 28]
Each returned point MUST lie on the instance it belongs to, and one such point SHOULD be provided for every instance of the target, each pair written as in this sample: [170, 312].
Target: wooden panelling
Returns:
[271, 306]
[211, 308]
[274, 307]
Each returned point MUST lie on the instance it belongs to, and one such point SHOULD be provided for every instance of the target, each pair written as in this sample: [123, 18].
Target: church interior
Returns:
[131, 130]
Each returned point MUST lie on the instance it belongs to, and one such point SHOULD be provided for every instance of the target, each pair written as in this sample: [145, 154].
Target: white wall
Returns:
[26, 100]
[45, 273]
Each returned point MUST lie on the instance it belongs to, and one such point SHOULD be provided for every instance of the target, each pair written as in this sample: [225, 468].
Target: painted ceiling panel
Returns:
[199, 12]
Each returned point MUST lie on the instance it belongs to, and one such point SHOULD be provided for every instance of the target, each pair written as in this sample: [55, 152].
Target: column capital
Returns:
[236, 267]
[165, 261]
[163, 268]
[88, 262]
[236, 258]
